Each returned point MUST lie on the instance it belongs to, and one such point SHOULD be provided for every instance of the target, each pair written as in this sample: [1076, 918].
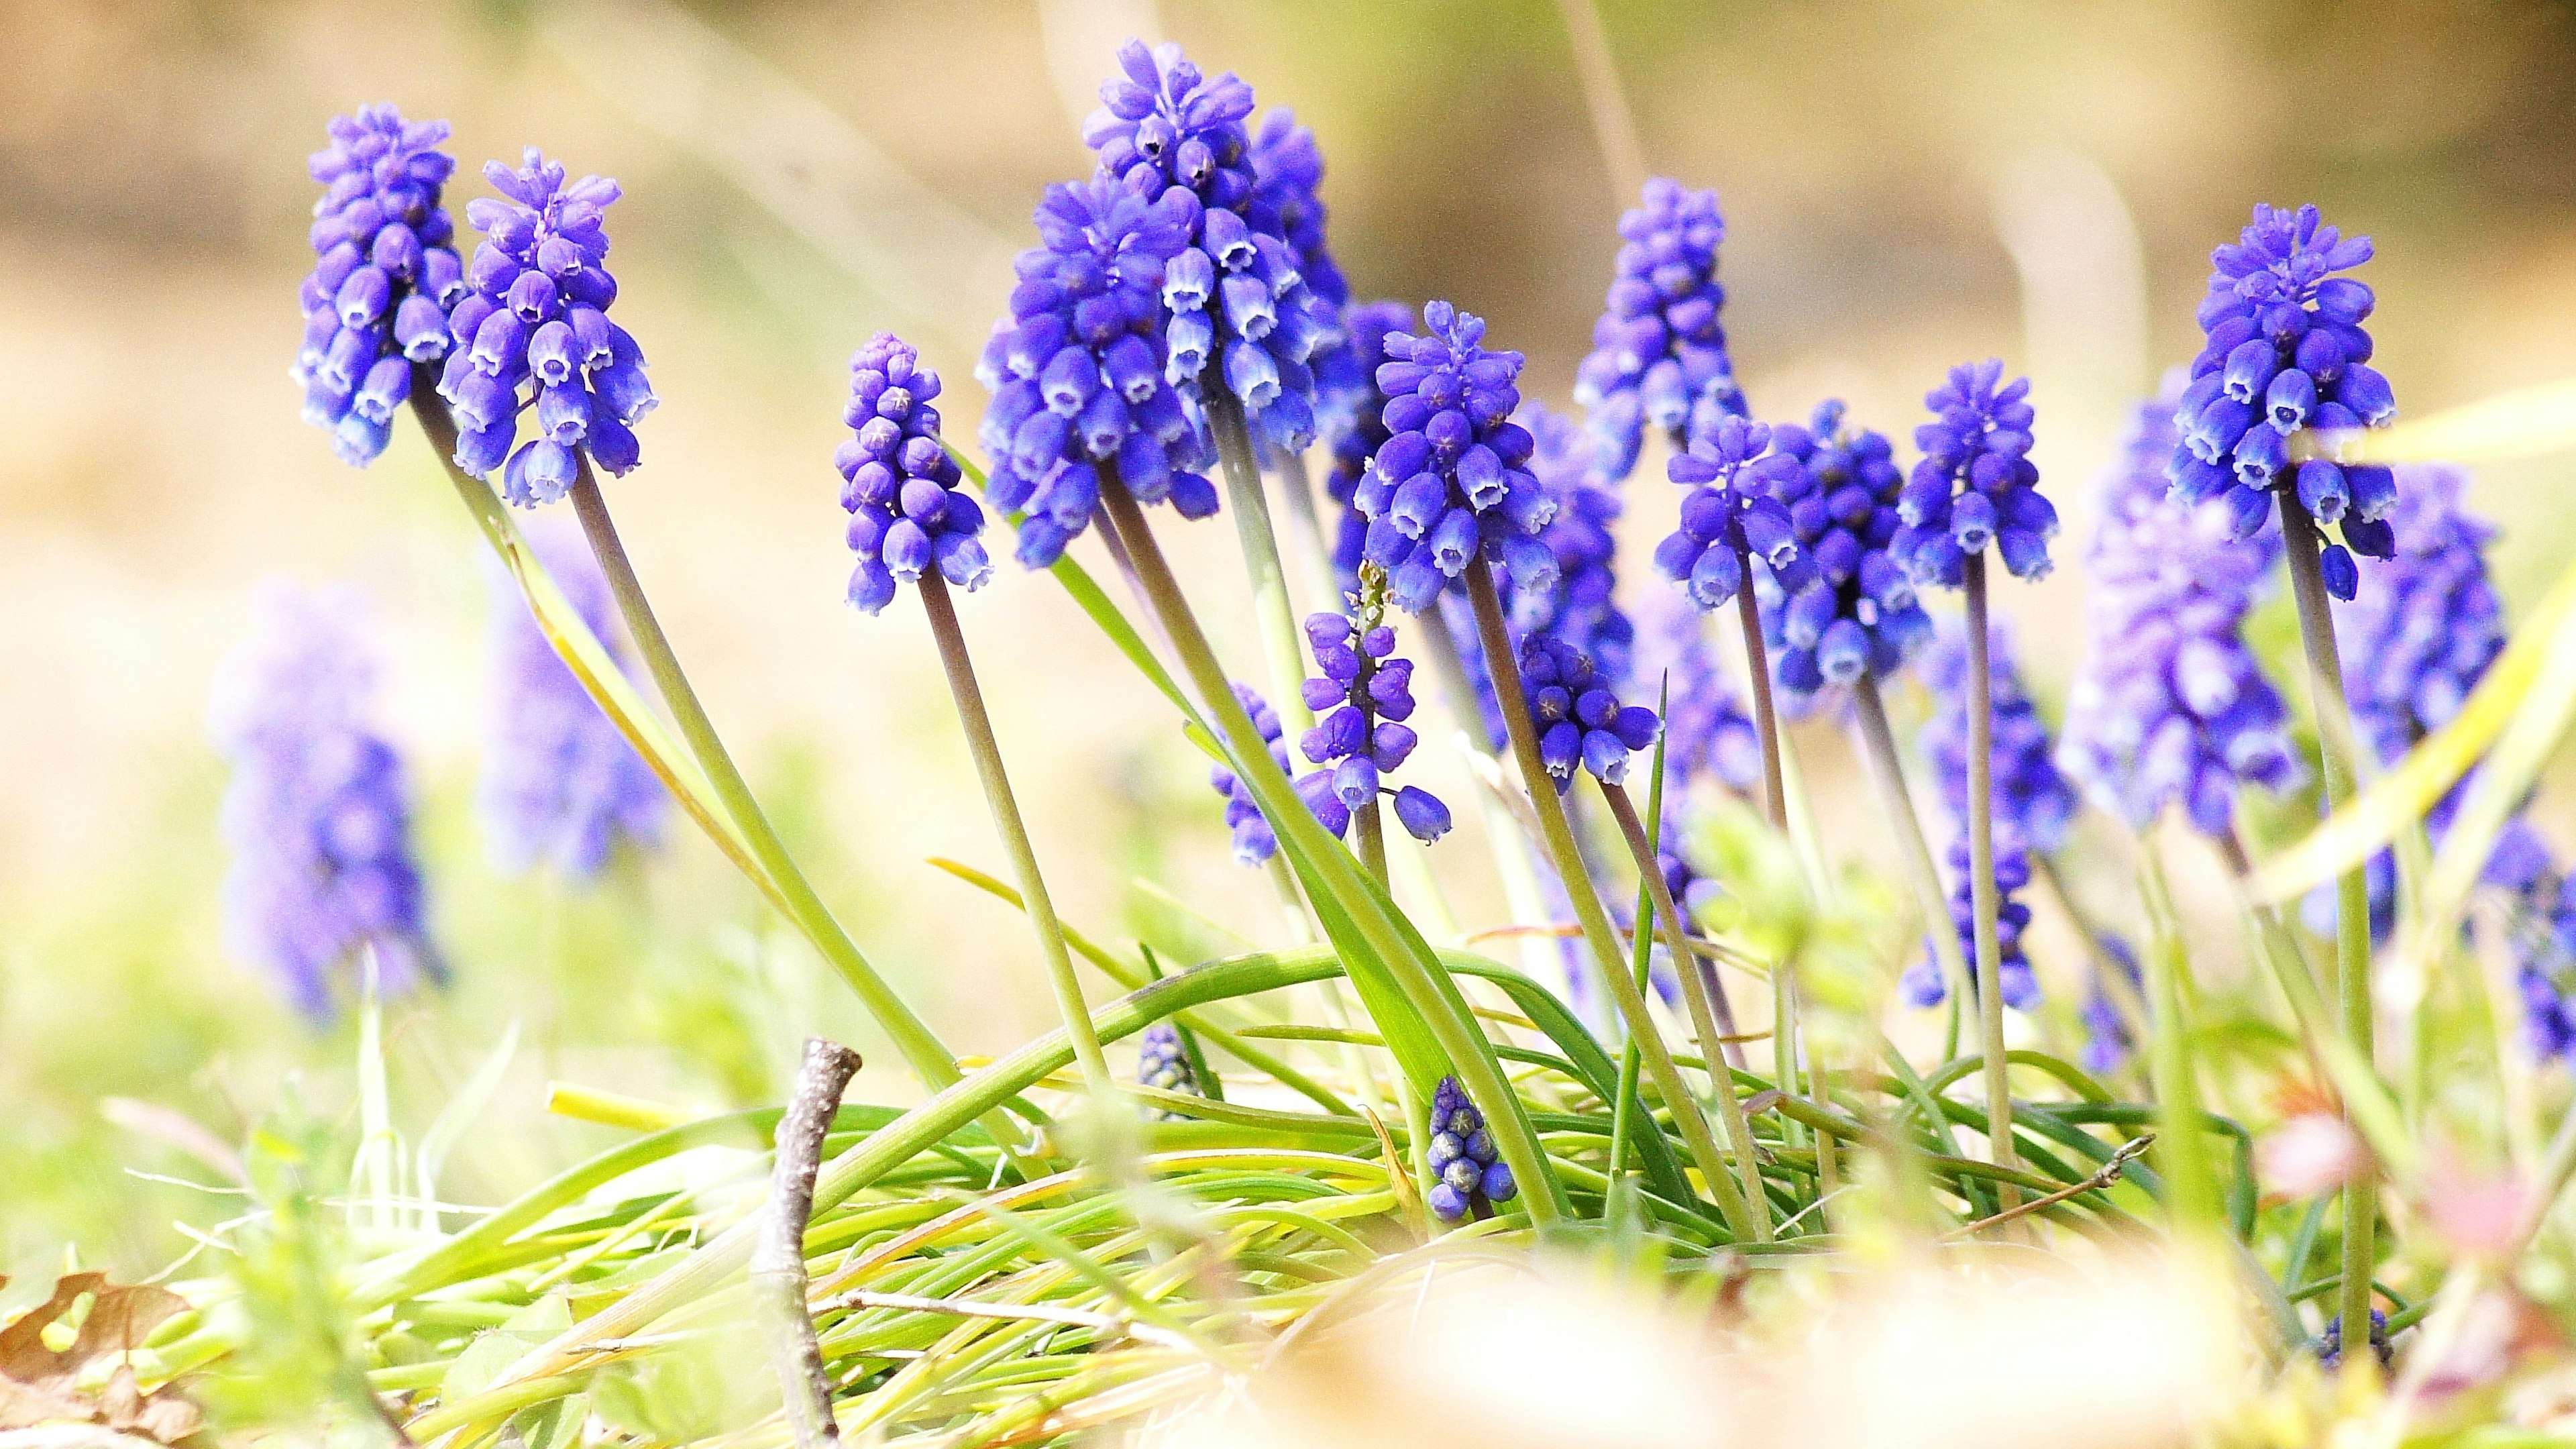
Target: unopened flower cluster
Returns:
[898, 483]
[1658, 349]
[1469, 1171]
[385, 275]
[1975, 485]
[1863, 616]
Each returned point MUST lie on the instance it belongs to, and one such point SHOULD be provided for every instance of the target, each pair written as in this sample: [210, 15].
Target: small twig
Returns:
[2108, 1174]
[778, 1259]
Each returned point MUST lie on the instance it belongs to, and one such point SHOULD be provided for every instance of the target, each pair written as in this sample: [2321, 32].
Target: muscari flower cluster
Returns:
[1077, 371]
[1462, 1156]
[1162, 1062]
[318, 814]
[1287, 174]
[1922, 983]
[1238, 306]
[2329, 1345]
[1357, 439]
[1842, 510]
[1706, 729]
[2108, 1040]
[1975, 484]
[1451, 482]
[2031, 798]
[1580, 720]
[2169, 707]
[1658, 349]
[1731, 516]
[1254, 841]
[1578, 604]
[560, 783]
[898, 483]
[2285, 354]
[386, 273]
[538, 319]
[1361, 701]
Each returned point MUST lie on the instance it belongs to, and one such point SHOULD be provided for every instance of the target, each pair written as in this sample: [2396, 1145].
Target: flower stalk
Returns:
[1275, 611]
[1984, 899]
[1766, 718]
[1887, 774]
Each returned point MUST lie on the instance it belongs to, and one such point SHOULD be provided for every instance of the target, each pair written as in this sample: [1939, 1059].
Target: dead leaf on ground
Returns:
[40, 1386]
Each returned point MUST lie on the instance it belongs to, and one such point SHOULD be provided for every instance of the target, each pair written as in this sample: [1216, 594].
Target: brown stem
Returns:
[1766, 719]
[778, 1258]
[1984, 899]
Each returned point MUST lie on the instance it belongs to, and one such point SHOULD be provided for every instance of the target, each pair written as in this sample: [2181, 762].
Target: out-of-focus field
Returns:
[1906, 185]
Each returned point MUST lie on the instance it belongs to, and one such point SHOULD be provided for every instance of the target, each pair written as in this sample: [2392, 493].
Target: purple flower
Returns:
[2107, 1038]
[1462, 1155]
[385, 276]
[538, 320]
[1254, 841]
[1578, 715]
[1842, 508]
[1658, 349]
[1237, 305]
[560, 783]
[1975, 484]
[1358, 437]
[1730, 516]
[1077, 371]
[1577, 604]
[2032, 799]
[2169, 707]
[1361, 702]
[1287, 172]
[2286, 354]
[898, 483]
[1161, 1062]
[318, 814]
[1922, 984]
[2414, 648]
[2545, 942]
[1705, 726]
[1451, 481]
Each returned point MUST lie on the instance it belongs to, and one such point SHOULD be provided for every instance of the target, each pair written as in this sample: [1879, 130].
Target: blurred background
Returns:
[1907, 185]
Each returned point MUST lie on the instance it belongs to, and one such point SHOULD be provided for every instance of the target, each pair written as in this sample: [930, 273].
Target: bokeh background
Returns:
[1907, 185]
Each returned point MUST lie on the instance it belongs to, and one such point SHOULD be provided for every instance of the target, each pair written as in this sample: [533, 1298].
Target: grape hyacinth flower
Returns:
[2414, 647]
[1451, 483]
[2285, 354]
[1077, 370]
[1361, 701]
[1237, 307]
[1287, 174]
[1705, 727]
[1472, 1177]
[2330, 1343]
[1357, 438]
[1254, 841]
[1731, 516]
[2108, 1041]
[1658, 349]
[1975, 484]
[2545, 942]
[2031, 798]
[1579, 718]
[1922, 984]
[560, 783]
[385, 275]
[898, 483]
[1579, 604]
[1842, 507]
[1162, 1062]
[538, 318]
[318, 814]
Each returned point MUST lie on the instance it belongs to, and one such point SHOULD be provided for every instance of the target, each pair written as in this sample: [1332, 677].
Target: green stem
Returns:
[1415, 971]
[1281, 644]
[1299, 490]
[1887, 775]
[1745, 1217]
[1766, 718]
[2352, 889]
[2190, 1200]
[921, 1048]
[987, 749]
[1982, 895]
[1706, 1022]
[1371, 829]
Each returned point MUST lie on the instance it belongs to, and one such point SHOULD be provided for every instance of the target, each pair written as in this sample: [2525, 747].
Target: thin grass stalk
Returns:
[1282, 645]
[748, 827]
[1696, 976]
[1887, 774]
[1750, 1219]
[1983, 897]
[977, 726]
[2352, 890]
[1416, 971]
[2190, 1198]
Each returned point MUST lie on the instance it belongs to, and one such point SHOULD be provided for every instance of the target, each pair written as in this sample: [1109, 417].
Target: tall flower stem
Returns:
[920, 1046]
[1370, 827]
[1766, 718]
[1749, 1218]
[1983, 898]
[1299, 490]
[1281, 644]
[2352, 888]
[1408, 961]
[1887, 774]
[1712, 1024]
[980, 740]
